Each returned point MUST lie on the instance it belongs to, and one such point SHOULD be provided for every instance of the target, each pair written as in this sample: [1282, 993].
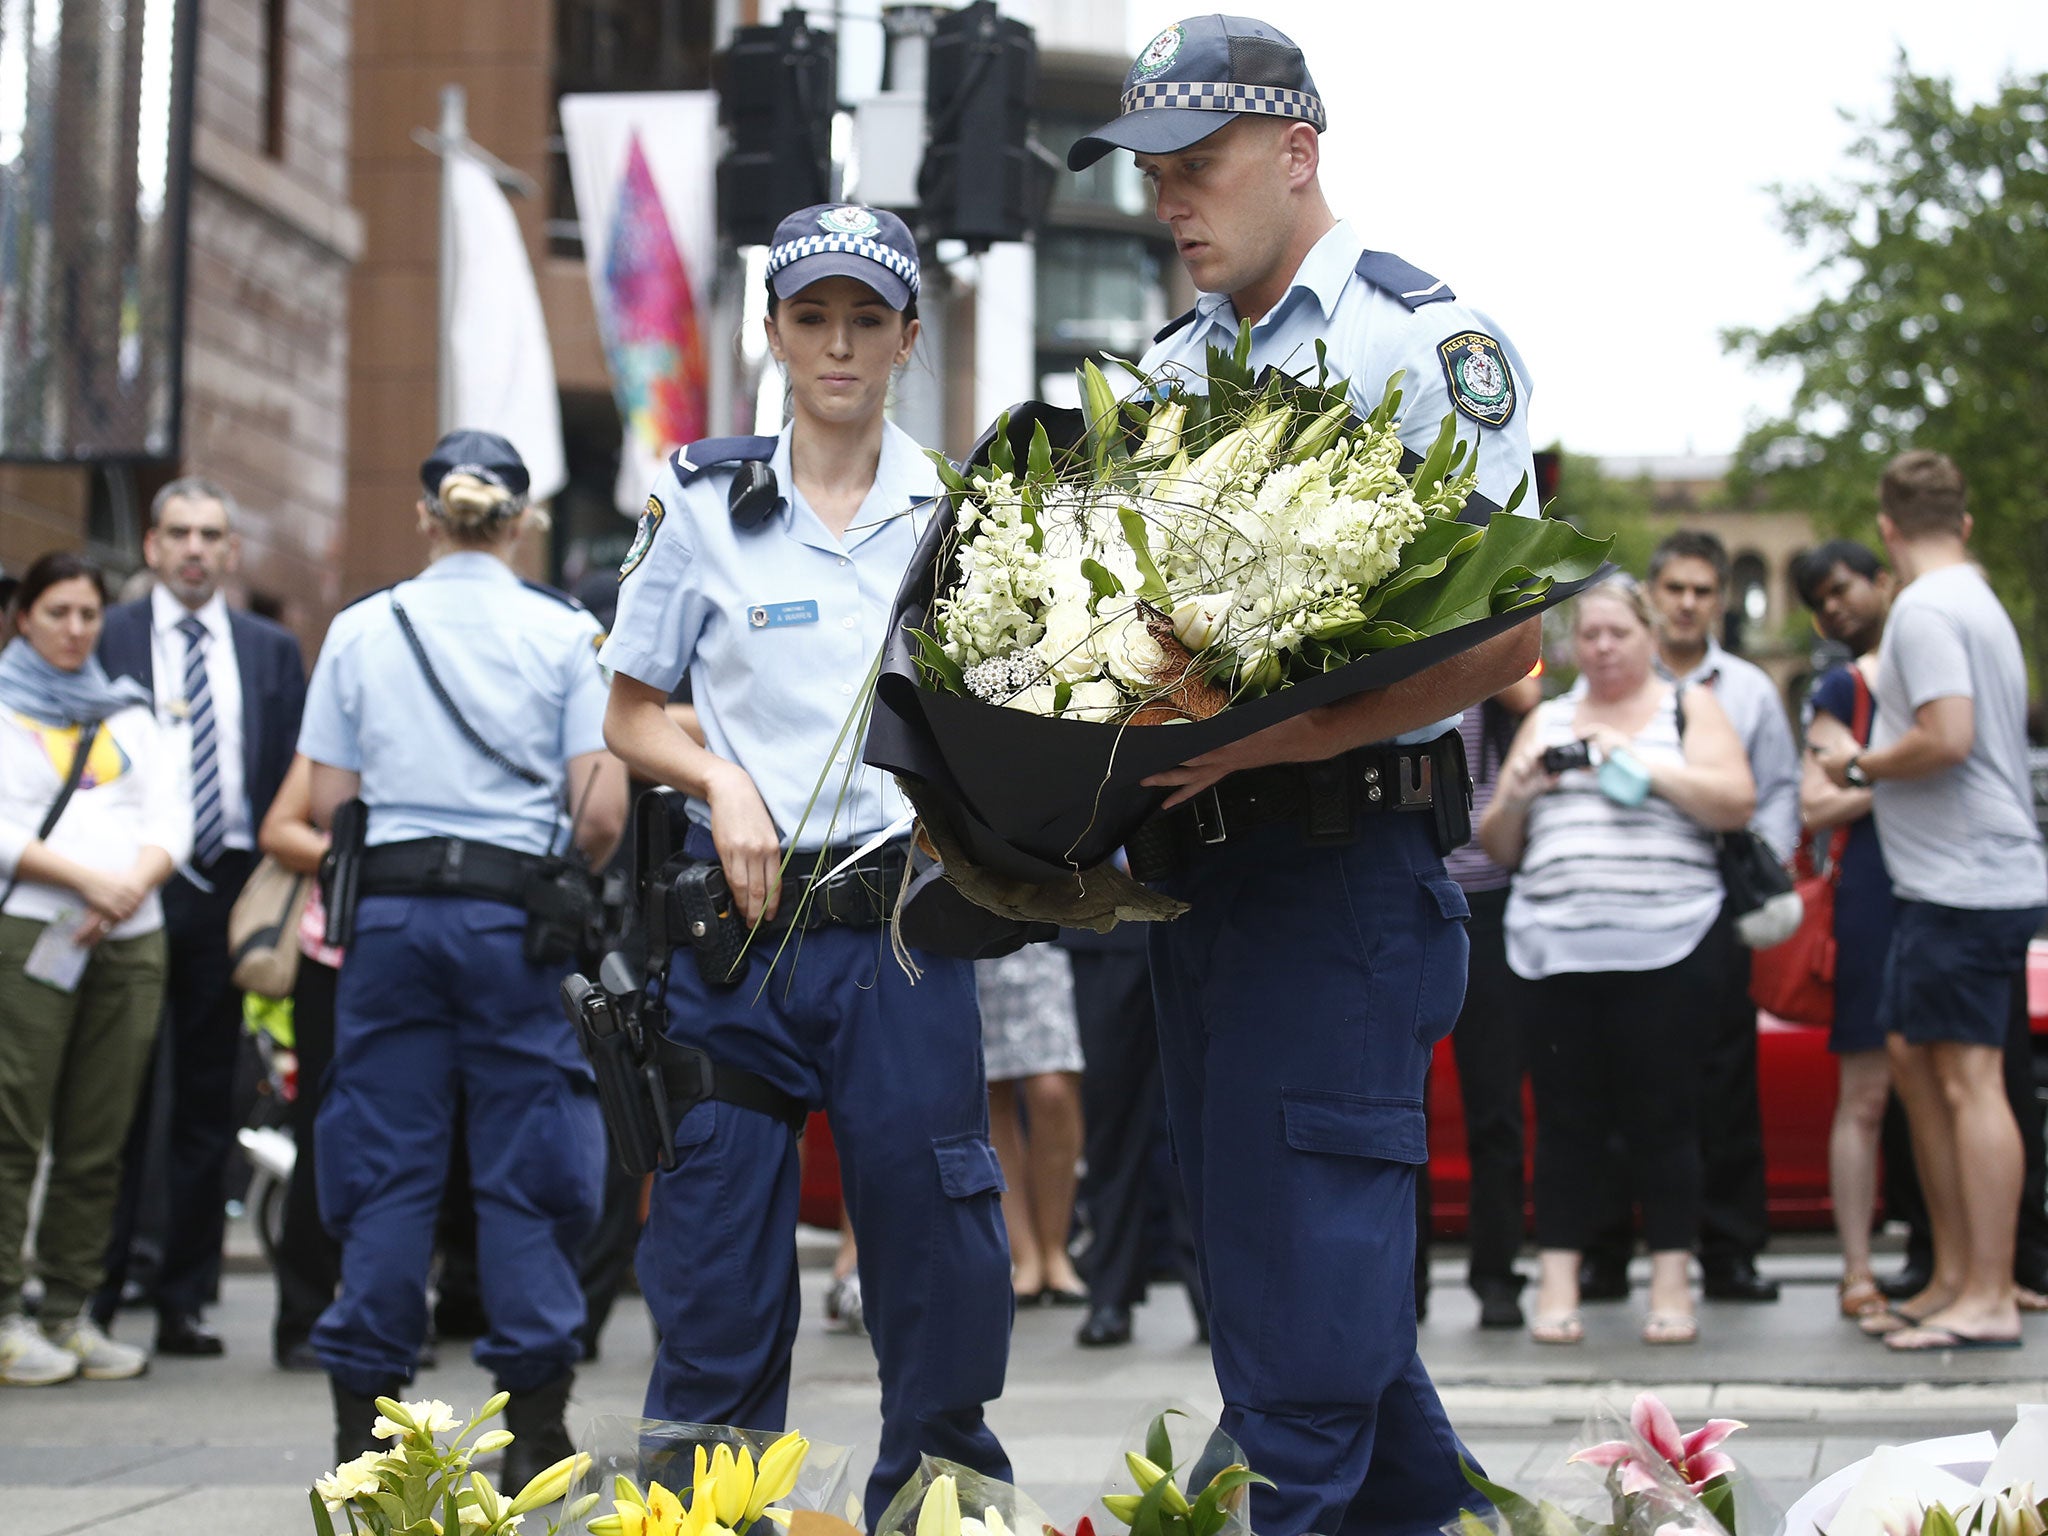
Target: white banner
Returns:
[502, 371]
[643, 165]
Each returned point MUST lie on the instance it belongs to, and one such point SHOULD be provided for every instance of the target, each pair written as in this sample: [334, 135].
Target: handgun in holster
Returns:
[624, 1051]
[341, 871]
[686, 902]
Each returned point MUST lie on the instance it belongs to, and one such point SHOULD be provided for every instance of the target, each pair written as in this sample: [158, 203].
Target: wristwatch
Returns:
[1853, 774]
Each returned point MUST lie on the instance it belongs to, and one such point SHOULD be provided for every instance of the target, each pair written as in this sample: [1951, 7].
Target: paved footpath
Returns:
[227, 1447]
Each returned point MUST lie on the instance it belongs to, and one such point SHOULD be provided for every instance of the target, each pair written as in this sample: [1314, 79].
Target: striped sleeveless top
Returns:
[1608, 887]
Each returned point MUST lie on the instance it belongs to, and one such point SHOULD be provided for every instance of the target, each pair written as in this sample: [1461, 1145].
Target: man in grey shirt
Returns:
[1947, 769]
[1689, 591]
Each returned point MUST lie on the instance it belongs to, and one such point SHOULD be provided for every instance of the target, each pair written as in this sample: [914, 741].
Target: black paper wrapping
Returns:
[1034, 798]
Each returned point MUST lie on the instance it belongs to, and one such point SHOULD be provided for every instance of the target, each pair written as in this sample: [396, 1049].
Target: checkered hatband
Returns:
[1221, 96]
[791, 251]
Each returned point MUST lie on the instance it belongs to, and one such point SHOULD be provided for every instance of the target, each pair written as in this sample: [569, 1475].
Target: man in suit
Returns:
[237, 683]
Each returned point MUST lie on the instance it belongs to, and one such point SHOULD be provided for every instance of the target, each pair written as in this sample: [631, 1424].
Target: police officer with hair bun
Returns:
[766, 568]
[455, 728]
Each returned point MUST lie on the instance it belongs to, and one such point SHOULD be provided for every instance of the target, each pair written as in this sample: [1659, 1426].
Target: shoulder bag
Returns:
[1795, 980]
[263, 929]
[1761, 895]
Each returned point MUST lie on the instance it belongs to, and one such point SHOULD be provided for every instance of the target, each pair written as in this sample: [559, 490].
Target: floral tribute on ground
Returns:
[1655, 1480]
[1113, 590]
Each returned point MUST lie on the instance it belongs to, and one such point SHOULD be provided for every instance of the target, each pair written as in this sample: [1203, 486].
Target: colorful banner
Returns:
[643, 166]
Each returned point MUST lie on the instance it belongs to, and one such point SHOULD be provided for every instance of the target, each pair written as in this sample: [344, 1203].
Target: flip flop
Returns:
[1890, 1320]
[1671, 1328]
[1924, 1339]
[1569, 1328]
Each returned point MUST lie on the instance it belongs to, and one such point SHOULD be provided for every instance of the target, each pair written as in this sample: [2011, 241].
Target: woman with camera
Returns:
[767, 568]
[454, 727]
[1606, 812]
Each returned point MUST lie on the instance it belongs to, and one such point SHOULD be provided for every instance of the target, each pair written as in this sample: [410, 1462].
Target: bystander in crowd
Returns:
[1606, 811]
[93, 817]
[1947, 766]
[236, 684]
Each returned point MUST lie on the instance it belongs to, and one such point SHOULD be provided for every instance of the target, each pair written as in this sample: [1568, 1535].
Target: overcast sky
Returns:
[1592, 174]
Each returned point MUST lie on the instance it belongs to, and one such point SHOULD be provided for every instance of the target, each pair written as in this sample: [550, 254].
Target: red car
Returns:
[1797, 1078]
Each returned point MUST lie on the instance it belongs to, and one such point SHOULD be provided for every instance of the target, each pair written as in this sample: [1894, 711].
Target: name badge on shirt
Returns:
[781, 615]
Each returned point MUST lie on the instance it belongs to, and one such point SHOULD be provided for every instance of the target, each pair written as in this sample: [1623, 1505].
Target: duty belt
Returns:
[862, 895]
[448, 866]
[1331, 801]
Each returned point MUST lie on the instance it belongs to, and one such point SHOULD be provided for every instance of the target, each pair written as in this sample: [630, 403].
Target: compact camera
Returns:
[1563, 759]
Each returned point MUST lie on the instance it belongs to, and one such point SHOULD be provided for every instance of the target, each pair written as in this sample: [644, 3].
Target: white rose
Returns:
[1198, 621]
[1129, 653]
[1097, 700]
[1038, 699]
[1064, 648]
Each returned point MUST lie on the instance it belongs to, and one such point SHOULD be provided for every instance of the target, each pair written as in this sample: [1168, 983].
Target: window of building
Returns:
[1112, 182]
[620, 45]
[1097, 292]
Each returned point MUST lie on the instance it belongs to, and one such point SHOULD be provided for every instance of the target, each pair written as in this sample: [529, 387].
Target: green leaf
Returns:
[1062, 696]
[1102, 579]
[951, 478]
[1040, 460]
[1424, 558]
[1520, 495]
[934, 658]
[1480, 583]
[1001, 457]
[1383, 415]
[1159, 1444]
[1718, 1499]
[1148, 1519]
[1153, 588]
[1938, 1522]
[323, 1523]
[1099, 401]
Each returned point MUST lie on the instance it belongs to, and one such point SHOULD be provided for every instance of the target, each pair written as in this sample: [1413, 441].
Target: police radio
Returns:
[754, 495]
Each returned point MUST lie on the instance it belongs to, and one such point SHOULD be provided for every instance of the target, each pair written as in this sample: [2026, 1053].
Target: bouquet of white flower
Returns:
[1217, 558]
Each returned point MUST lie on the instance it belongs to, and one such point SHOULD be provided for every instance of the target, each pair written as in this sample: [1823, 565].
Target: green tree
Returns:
[1599, 505]
[1934, 333]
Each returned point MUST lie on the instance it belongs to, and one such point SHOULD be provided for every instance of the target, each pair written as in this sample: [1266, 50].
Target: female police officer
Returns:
[776, 605]
[464, 708]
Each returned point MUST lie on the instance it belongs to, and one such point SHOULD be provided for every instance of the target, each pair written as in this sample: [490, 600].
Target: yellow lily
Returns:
[1147, 1473]
[700, 1474]
[733, 1476]
[775, 1477]
[549, 1485]
[1123, 1505]
[939, 1515]
[1162, 432]
[491, 1440]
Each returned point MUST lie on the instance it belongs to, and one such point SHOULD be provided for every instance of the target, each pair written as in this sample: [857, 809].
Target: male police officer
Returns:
[1298, 1137]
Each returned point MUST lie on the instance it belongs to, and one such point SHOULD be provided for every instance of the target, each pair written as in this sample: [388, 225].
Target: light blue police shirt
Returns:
[1370, 334]
[520, 663]
[778, 627]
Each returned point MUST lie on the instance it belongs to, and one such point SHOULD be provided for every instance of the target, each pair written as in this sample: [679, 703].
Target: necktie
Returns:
[209, 819]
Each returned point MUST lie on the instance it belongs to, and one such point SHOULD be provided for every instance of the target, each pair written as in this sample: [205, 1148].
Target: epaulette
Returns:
[1177, 323]
[358, 601]
[713, 452]
[554, 592]
[1404, 280]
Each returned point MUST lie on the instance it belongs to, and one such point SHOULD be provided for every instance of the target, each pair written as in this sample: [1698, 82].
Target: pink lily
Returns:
[1693, 1458]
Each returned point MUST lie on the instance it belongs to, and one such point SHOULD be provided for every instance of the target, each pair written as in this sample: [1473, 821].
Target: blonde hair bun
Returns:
[470, 503]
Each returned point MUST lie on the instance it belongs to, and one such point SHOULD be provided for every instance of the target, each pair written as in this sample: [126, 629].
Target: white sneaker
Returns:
[99, 1357]
[842, 1305]
[27, 1359]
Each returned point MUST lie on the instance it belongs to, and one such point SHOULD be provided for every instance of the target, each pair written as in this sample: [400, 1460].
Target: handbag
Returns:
[1760, 895]
[263, 929]
[1795, 980]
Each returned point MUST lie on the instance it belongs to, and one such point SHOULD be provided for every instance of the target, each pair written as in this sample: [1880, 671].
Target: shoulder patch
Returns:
[643, 537]
[1480, 381]
[555, 593]
[1403, 280]
[1179, 322]
[713, 452]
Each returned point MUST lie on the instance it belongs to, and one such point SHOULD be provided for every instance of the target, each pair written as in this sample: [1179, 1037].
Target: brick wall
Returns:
[273, 239]
[501, 52]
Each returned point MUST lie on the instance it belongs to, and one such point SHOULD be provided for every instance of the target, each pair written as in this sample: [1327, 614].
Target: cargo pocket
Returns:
[1336, 1299]
[1446, 953]
[967, 1166]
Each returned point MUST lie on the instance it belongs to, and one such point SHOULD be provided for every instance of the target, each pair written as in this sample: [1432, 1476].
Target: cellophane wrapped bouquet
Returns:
[653, 1477]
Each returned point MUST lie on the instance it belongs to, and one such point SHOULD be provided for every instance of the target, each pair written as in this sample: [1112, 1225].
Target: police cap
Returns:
[483, 454]
[1198, 75]
[870, 245]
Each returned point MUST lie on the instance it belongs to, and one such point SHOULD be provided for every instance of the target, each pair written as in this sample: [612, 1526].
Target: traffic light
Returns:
[983, 178]
[777, 91]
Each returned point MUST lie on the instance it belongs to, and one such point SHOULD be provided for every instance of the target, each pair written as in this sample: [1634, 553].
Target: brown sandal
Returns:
[1858, 1296]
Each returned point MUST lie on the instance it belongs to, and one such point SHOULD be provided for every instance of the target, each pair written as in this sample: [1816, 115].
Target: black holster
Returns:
[564, 917]
[341, 871]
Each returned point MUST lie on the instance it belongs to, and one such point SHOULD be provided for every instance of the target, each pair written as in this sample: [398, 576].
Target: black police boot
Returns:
[1500, 1300]
[539, 1437]
[354, 1414]
[1736, 1279]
